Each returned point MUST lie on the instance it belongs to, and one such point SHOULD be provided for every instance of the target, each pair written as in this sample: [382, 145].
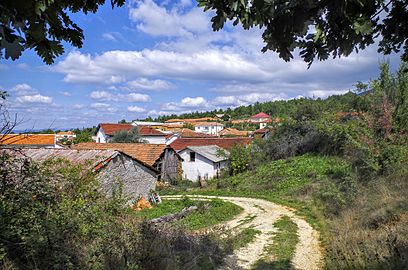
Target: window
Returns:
[192, 156]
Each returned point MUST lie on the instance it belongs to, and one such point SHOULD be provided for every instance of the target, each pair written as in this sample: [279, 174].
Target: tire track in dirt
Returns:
[308, 255]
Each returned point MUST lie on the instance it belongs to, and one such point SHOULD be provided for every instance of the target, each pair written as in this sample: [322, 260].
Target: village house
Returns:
[28, 140]
[233, 132]
[186, 133]
[137, 178]
[159, 156]
[225, 143]
[262, 133]
[211, 128]
[65, 136]
[260, 118]
[105, 133]
[203, 162]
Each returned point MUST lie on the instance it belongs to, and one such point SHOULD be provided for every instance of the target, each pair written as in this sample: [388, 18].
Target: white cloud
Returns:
[157, 21]
[109, 36]
[34, 99]
[147, 84]
[193, 102]
[78, 106]
[136, 109]
[65, 93]
[24, 89]
[107, 96]
[103, 107]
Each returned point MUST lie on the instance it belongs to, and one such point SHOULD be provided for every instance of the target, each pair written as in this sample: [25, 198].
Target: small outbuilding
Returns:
[138, 178]
[203, 162]
[159, 156]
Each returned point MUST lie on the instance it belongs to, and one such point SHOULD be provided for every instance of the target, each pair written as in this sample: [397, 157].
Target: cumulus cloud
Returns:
[193, 102]
[34, 99]
[156, 20]
[24, 89]
[147, 84]
[136, 109]
[107, 96]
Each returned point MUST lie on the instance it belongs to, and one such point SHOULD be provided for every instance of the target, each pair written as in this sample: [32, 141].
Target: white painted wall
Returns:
[211, 130]
[200, 167]
[154, 139]
[172, 138]
[101, 137]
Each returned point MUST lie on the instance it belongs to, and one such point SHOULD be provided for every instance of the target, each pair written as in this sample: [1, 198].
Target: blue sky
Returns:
[152, 57]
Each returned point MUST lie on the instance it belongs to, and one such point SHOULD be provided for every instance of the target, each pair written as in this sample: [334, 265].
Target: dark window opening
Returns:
[192, 156]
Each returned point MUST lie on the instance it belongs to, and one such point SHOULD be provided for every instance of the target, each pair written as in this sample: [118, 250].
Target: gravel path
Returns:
[264, 214]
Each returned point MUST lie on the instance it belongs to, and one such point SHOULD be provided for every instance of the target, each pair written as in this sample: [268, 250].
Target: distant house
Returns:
[262, 133]
[105, 133]
[260, 118]
[203, 162]
[186, 133]
[137, 178]
[65, 135]
[226, 143]
[159, 156]
[28, 140]
[211, 128]
[233, 132]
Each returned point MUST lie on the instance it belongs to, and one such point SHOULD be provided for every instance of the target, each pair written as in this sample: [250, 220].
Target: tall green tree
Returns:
[318, 29]
[42, 25]
[131, 136]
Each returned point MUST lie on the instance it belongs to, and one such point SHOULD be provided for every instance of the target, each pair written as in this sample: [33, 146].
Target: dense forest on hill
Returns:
[349, 102]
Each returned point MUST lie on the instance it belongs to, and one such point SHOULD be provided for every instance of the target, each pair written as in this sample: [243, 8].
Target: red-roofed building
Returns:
[225, 143]
[106, 131]
[260, 118]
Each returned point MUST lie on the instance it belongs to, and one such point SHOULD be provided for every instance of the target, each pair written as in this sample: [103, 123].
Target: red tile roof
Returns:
[233, 132]
[149, 131]
[188, 133]
[146, 153]
[260, 115]
[261, 131]
[109, 129]
[27, 139]
[225, 143]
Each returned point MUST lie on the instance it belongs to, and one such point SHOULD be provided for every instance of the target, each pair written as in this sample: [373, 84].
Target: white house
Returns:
[105, 133]
[260, 118]
[202, 162]
[211, 128]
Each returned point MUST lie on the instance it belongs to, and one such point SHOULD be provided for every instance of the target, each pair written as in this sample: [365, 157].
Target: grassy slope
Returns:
[290, 182]
[217, 212]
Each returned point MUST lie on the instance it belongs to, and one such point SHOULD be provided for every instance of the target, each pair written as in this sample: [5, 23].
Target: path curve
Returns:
[308, 255]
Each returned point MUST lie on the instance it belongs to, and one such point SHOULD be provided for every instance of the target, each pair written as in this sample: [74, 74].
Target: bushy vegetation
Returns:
[54, 216]
[341, 162]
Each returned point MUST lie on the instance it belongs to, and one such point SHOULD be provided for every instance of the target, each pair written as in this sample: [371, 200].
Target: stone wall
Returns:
[137, 179]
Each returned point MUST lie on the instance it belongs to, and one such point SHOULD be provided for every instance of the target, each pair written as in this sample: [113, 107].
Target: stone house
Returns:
[159, 156]
[112, 168]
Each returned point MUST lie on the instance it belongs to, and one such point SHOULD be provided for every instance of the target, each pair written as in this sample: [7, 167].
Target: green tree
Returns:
[42, 25]
[124, 136]
[318, 29]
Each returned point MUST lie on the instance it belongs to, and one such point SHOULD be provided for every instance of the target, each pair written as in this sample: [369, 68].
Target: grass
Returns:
[289, 182]
[218, 211]
[283, 247]
[244, 237]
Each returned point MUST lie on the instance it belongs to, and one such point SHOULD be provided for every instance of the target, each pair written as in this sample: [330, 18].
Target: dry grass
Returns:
[373, 233]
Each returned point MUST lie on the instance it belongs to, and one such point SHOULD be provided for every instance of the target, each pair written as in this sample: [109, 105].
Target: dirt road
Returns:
[261, 215]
